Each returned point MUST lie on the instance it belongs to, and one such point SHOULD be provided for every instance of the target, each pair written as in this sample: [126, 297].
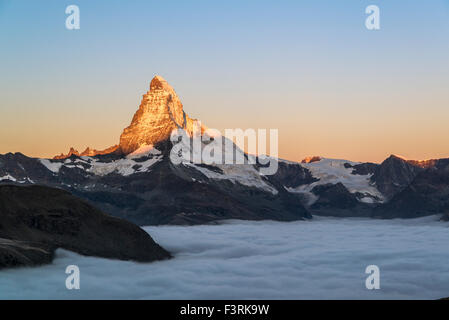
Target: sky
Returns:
[310, 69]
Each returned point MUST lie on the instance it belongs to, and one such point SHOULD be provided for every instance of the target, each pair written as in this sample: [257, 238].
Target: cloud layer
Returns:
[320, 259]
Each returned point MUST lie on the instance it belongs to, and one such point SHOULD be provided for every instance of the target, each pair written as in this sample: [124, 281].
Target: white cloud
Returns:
[321, 259]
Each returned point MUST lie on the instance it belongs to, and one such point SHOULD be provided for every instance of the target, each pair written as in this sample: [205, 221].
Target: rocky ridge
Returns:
[37, 220]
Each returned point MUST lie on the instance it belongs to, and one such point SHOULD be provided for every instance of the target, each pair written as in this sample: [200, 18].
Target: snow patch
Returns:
[333, 171]
[244, 174]
[8, 177]
[125, 167]
[52, 166]
[144, 150]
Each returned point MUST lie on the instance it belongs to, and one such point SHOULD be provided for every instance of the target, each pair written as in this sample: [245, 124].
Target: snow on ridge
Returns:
[53, 166]
[144, 150]
[8, 177]
[328, 171]
[124, 166]
[333, 171]
[244, 174]
[11, 178]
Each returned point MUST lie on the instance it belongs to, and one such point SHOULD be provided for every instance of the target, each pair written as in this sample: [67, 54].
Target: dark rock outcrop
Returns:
[427, 194]
[335, 200]
[362, 168]
[334, 196]
[36, 220]
[394, 175]
[15, 253]
[292, 175]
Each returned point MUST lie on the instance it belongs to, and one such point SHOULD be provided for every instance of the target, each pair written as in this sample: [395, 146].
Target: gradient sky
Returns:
[309, 68]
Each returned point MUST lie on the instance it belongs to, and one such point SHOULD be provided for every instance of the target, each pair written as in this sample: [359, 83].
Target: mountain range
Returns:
[136, 180]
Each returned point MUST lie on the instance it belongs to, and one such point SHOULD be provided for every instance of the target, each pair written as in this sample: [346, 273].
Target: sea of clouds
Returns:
[320, 259]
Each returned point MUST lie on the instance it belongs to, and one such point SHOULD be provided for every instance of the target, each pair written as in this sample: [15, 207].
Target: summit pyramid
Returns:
[159, 113]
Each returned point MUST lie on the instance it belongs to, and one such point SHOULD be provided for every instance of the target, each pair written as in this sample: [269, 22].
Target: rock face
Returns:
[292, 175]
[335, 200]
[394, 175]
[311, 159]
[333, 196]
[15, 253]
[160, 113]
[36, 220]
[362, 168]
[427, 194]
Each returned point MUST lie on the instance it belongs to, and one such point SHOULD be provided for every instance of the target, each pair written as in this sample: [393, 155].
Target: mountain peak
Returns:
[88, 152]
[417, 163]
[159, 113]
[311, 159]
[71, 152]
[396, 156]
[159, 83]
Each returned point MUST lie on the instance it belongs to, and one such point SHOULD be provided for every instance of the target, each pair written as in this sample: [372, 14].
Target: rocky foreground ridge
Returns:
[37, 220]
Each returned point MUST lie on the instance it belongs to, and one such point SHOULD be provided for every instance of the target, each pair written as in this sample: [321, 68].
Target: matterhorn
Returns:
[160, 113]
[137, 180]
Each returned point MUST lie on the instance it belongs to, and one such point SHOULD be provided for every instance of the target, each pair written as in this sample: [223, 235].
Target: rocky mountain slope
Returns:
[159, 114]
[396, 188]
[137, 180]
[148, 189]
[426, 194]
[36, 220]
